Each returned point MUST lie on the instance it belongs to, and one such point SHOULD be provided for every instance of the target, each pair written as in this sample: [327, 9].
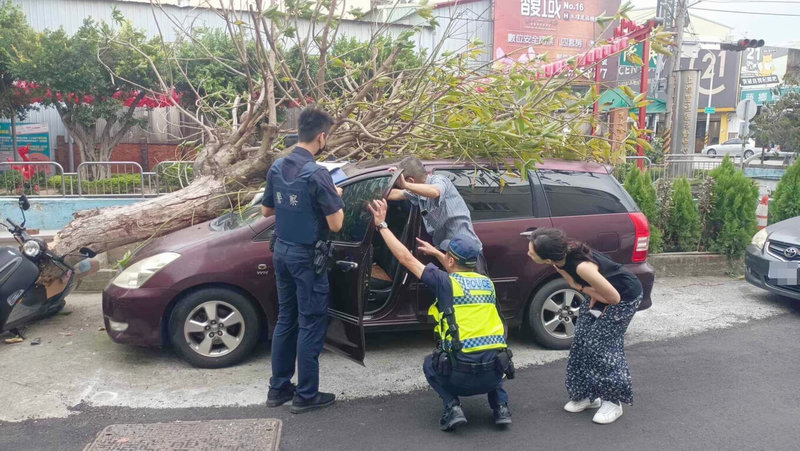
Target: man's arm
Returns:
[329, 199]
[397, 194]
[420, 189]
[335, 220]
[404, 256]
[267, 211]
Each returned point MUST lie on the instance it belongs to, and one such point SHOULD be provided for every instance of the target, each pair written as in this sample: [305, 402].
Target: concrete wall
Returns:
[55, 213]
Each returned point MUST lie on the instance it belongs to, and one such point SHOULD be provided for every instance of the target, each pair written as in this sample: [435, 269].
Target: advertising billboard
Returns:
[524, 29]
[719, 77]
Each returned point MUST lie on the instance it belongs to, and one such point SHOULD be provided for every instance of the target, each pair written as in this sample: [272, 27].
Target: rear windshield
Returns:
[584, 193]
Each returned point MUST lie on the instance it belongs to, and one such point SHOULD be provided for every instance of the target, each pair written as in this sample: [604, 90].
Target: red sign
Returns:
[524, 29]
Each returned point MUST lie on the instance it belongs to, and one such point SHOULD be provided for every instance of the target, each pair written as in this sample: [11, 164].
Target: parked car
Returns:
[209, 290]
[772, 260]
[732, 147]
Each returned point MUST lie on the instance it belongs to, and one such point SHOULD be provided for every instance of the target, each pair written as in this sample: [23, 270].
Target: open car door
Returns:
[352, 263]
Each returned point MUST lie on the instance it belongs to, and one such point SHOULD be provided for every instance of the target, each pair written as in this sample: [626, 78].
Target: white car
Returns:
[732, 147]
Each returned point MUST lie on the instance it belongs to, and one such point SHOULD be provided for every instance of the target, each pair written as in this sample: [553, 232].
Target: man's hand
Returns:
[401, 181]
[339, 191]
[378, 209]
[427, 248]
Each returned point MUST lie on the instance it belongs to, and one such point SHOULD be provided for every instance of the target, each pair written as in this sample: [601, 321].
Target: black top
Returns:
[618, 276]
[326, 201]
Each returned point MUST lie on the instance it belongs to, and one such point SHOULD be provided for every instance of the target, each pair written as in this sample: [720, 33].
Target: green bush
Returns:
[786, 199]
[682, 231]
[732, 222]
[116, 184]
[175, 176]
[9, 180]
[640, 186]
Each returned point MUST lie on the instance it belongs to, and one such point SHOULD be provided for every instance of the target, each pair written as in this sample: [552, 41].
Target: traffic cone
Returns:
[762, 212]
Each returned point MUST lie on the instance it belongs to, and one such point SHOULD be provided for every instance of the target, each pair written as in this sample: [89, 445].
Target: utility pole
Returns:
[674, 63]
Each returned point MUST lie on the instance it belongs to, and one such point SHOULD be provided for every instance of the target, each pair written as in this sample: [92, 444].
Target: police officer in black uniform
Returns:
[306, 205]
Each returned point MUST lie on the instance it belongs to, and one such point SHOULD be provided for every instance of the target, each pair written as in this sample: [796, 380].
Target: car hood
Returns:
[180, 240]
[787, 231]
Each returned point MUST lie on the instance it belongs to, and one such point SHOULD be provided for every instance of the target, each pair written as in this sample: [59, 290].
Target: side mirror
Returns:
[88, 253]
[23, 203]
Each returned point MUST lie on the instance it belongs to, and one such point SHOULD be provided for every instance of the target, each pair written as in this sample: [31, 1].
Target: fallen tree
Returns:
[436, 103]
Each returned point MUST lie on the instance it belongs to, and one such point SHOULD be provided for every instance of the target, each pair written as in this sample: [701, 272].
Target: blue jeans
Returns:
[466, 384]
[302, 319]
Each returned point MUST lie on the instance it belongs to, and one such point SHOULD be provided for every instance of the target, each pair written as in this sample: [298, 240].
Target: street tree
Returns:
[94, 81]
[779, 124]
[16, 36]
[387, 99]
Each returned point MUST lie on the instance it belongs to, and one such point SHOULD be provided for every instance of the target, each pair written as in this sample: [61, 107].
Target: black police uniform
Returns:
[302, 194]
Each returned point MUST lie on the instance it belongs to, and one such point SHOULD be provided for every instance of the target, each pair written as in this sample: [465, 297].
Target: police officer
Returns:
[472, 356]
[306, 205]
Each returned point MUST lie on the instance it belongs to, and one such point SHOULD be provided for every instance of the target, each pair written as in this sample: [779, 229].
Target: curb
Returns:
[691, 264]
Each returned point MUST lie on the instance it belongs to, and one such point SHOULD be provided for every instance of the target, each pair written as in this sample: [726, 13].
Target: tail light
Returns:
[642, 243]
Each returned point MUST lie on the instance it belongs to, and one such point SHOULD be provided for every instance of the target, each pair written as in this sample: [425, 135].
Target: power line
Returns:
[746, 12]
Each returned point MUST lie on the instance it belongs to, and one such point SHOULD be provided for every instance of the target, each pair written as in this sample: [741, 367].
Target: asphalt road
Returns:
[724, 383]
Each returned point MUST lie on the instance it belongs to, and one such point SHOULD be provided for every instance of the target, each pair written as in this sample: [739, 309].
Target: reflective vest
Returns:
[475, 310]
[295, 219]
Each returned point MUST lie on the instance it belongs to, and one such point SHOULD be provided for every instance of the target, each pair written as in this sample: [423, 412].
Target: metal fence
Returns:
[93, 179]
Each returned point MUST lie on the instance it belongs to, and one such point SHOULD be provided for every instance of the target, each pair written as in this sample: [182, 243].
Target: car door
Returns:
[503, 211]
[732, 146]
[352, 258]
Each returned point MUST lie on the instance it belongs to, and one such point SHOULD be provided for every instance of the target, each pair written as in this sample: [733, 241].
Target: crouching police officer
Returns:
[306, 205]
[472, 356]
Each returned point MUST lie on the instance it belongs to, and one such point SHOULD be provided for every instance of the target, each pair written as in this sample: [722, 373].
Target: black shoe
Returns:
[280, 396]
[299, 405]
[502, 415]
[453, 416]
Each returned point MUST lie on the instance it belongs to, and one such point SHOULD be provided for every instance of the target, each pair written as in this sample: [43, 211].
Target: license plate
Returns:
[785, 273]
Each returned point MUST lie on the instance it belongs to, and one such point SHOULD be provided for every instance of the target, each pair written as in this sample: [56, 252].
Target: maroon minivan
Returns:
[209, 290]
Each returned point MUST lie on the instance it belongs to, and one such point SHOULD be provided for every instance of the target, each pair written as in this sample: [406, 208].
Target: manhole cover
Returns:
[239, 435]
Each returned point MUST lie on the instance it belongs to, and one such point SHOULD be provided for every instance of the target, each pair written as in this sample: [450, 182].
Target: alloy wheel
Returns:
[559, 313]
[214, 328]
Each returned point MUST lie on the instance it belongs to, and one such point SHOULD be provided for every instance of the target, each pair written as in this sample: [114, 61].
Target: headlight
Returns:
[760, 239]
[137, 274]
[32, 249]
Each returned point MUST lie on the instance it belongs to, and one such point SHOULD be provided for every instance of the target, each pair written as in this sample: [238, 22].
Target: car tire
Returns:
[549, 319]
[748, 153]
[711, 153]
[203, 312]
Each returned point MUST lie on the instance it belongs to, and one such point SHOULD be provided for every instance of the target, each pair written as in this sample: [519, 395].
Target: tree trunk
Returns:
[221, 181]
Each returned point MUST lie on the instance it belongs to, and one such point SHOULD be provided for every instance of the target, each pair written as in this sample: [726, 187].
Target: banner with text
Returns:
[524, 29]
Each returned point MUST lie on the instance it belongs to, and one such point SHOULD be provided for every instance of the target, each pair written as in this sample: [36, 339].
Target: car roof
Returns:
[365, 167]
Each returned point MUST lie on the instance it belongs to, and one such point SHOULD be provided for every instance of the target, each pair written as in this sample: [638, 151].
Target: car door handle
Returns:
[346, 266]
[528, 231]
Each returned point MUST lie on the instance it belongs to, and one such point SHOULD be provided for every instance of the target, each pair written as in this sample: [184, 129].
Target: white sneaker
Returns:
[608, 413]
[583, 404]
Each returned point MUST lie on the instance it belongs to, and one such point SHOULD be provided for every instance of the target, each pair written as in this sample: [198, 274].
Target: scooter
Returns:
[22, 299]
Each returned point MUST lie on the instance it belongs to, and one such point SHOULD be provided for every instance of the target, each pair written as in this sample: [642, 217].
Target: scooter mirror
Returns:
[88, 253]
[23, 203]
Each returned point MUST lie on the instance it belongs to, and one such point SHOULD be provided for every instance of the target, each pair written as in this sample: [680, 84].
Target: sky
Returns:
[772, 23]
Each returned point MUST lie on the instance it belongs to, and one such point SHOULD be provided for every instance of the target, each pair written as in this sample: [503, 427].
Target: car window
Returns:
[492, 194]
[356, 196]
[584, 193]
[733, 141]
[266, 234]
[235, 219]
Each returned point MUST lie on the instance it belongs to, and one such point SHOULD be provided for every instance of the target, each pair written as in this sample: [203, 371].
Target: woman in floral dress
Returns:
[597, 371]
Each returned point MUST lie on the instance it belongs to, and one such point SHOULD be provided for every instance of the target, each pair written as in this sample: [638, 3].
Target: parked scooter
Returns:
[22, 299]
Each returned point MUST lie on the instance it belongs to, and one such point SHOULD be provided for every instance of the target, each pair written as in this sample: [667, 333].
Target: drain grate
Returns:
[238, 435]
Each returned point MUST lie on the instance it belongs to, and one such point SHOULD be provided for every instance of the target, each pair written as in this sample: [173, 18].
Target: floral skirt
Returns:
[597, 367]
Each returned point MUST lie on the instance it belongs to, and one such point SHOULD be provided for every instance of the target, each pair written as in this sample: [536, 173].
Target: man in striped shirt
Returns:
[443, 210]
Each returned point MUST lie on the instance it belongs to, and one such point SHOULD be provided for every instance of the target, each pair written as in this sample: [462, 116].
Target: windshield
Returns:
[235, 220]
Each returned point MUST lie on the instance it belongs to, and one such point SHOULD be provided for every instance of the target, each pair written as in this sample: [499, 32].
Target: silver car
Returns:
[732, 147]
